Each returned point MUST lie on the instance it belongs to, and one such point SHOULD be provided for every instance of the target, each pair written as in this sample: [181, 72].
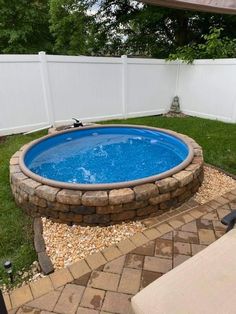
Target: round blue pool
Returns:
[106, 155]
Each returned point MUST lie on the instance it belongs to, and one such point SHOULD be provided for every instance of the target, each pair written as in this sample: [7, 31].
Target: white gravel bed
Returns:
[67, 244]
[215, 183]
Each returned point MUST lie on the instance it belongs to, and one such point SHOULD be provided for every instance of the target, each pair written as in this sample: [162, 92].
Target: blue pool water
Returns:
[105, 155]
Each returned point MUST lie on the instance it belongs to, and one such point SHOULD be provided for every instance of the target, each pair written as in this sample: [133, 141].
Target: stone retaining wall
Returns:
[106, 207]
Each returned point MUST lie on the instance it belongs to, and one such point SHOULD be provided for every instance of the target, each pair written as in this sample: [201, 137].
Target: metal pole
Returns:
[3, 309]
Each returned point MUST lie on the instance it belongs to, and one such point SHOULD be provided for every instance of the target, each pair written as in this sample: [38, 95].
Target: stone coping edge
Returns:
[40, 248]
[66, 275]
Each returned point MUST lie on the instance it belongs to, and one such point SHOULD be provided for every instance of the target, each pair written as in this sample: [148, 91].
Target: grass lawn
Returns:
[15, 227]
[217, 139]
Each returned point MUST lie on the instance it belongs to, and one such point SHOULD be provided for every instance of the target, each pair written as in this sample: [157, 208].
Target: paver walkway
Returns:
[110, 279]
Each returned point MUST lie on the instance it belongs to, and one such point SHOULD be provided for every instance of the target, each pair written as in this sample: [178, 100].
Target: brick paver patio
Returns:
[106, 281]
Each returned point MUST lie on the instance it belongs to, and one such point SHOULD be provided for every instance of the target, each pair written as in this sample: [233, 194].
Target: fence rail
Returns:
[41, 90]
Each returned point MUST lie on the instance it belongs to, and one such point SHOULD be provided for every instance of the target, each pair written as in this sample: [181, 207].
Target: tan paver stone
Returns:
[164, 228]
[105, 281]
[83, 280]
[176, 222]
[12, 311]
[157, 264]
[41, 287]
[204, 209]
[204, 224]
[217, 225]
[115, 266]
[152, 233]
[96, 260]
[182, 248]
[187, 218]
[195, 213]
[190, 227]
[167, 236]
[219, 233]
[69, 299]
[221, 200]
[211, 216]
[46, 302]
[222, 212]
[7, 301]
[21, 296]
[146, 249]
[134, 261]
[28, 310]
[206, 236]
[184, 236]
[126, 246]
[130, 281]
[148, 277]
[179, 259]
[163, 248]
[139, 239]
[196, 248]
[79, 269]
[213, 204]
[61, 277]
[117, 303]
[92, 298]
[111, 253]
[82, 310]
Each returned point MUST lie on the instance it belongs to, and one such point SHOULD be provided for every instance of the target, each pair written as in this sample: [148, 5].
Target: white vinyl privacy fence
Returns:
[41, 90]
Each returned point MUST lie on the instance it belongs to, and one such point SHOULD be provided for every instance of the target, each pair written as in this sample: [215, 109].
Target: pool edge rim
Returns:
[107, 186]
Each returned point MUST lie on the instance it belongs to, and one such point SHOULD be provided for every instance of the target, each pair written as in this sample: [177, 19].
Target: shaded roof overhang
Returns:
[214, 6]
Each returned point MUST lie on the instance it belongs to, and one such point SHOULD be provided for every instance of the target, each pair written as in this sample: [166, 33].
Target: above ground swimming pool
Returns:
[106, 155]
[102, 171]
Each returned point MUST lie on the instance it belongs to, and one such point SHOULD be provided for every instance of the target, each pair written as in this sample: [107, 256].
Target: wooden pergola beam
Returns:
[214, 6]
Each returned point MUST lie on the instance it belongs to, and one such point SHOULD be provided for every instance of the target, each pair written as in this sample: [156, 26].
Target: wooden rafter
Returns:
[215, 6]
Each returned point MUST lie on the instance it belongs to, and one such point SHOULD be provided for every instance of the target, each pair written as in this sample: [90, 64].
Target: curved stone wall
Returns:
[109, 206]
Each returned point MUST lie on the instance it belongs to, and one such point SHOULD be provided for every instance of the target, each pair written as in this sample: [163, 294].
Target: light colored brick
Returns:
[130, 281]
[156, 264]
[139, 239]
[21, 296]
[117, 303]
[121, 196]
[206, 236]
[47, 192]
[95, 198]
[115, 266]
[111, 253]
[41, 287]
[7, 301]
[70, 197]
[126, 246]
[164, 228]
[184, 177]
[79, 269]
[61, 277]
[46, 302]
[92, 298]
[69, 299]
[152, 233]
[145, 191]
[95, 260]
[103, 280]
